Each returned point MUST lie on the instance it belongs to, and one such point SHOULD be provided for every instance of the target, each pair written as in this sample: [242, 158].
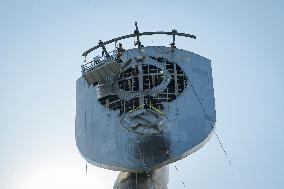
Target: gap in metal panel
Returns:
[152, 77]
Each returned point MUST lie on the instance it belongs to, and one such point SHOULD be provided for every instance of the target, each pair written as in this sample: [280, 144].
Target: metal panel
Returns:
[184, 126]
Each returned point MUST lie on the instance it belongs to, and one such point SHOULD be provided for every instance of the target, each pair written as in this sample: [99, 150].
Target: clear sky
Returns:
[40, 56]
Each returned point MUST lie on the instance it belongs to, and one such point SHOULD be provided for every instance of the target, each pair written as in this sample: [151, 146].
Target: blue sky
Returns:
[40, 56]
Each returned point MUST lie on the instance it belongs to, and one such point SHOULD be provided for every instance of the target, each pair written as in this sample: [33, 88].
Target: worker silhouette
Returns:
[120, 51]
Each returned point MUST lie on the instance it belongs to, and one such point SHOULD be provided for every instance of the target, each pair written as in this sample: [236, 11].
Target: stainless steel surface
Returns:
[157, 179]
[147, 139]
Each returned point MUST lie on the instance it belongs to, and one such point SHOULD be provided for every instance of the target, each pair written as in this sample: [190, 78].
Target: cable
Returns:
[218, 139]
[203, 109]
[180, 179]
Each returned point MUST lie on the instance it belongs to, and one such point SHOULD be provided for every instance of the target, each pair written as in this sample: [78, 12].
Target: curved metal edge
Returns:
[135, 35]
[182, 156]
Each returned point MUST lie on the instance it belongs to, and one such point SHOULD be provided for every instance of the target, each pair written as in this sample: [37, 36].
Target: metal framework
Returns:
[136, 34]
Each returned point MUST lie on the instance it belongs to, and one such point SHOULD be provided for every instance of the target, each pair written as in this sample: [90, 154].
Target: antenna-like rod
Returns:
[174, 31]
[136, 32]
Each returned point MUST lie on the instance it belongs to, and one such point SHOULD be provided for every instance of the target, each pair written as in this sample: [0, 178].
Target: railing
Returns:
[99, 62]
[110, 56]
[173, 33]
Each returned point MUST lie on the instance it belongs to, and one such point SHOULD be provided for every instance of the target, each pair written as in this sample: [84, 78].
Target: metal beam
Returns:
[136, 35]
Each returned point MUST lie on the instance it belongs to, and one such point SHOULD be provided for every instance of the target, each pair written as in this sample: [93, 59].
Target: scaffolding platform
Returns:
[96, 71]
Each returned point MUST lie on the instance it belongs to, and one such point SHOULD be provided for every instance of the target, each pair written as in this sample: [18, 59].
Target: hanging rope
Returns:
[180, 179]
[204, 111]
[236, 176]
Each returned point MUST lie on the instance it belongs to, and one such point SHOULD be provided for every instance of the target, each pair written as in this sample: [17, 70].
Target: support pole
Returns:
[158, 180]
